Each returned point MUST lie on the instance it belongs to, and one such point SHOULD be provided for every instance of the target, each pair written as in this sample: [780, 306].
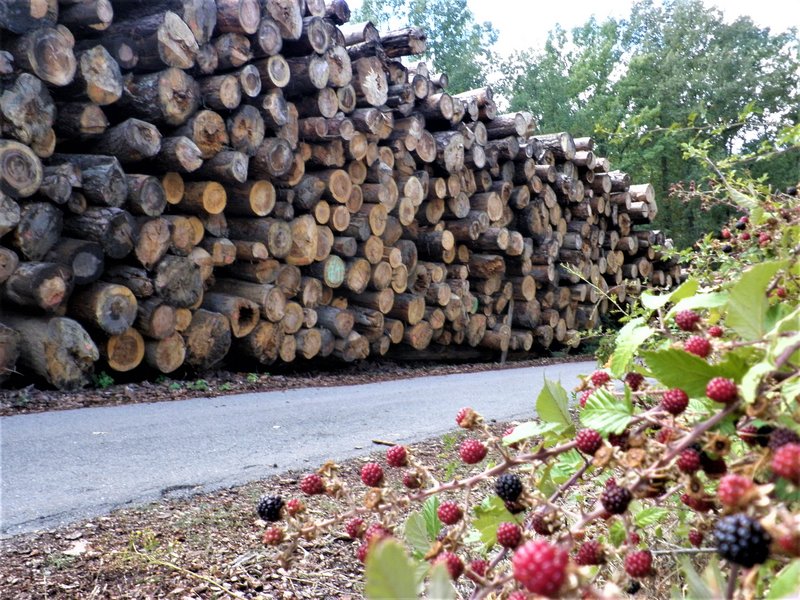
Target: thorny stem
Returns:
[684, 551]
[732, 582]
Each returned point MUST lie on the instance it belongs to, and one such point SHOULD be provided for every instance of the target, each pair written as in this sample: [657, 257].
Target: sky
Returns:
[524, 24]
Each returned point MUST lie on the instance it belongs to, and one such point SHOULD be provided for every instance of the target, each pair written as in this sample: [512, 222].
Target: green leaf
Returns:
[617, 533]
[629, 339]
[650, 516]
[697, 588]
[748, 302]
[652, 301]
[530, 429]
[606, 413]
[416, 534]
[566, 466]
[752, 379]
[787, 582]
[791, 388]
[552, 405]
[430, 512]
[389, 573]
[488, 515]
[441, 587]
[678, 369]
[709, 300]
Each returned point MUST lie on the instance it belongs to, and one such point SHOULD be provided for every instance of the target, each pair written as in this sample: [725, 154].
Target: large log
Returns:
[39, 228]
[47, 52]
[169, 96]
[57, 349]
[20, 170]
[84, 258]
[208, 339]
[40, 285]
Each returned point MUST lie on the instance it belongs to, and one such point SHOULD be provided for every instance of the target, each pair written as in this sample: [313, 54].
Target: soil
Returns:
[32, 398]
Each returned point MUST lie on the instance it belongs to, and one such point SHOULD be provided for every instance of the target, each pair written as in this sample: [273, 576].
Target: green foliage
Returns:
[199, 385]
[787, 583]
[605, 413]
[103, 381]
[389, 572]
[629, 340]
[488, 516]
[422, 527]
[748, 304]
[457, 44]
[669, 74]
[552, 406]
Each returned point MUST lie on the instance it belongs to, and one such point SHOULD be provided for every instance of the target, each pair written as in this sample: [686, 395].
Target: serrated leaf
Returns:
[709, 300]
[488, 515]
[606, 413]
[629, 339]
[697, 588]
[650, 516]
[566, 465]
[416, 534]
[790, 389]
[441, 586]
[389, 572]
[430, 511]
[617, 533]
[713, 577]
[529, 429]
[678, 369]
[748, 302]
[787, 582]
[652, 301]
[752, 379]
[552, 405]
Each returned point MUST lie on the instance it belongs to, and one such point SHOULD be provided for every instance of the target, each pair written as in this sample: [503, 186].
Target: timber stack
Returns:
[183, 181]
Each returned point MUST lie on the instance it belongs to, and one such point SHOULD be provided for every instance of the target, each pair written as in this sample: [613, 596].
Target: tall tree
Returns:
[457, 44]
[671, 73]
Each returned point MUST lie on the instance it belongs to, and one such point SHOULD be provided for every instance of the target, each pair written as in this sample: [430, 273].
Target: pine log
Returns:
[267, 40]
[170, 96]
[269, 299]
[167, 354]
[233, 51]
[221, 92]
[207, 129]
[40, 285]
[20, 170]
[8, 263]
[84, 258]
[177, 281]
[39, 228]
[27, 111]
[288, 15]
[276, 234]
[246, 129]
[157, 40]
[130, 141]
[199, 15]
[208, 339]
[47, 52]
[114, 229]
[80, 120]
[58, 350]
[123, 352]
[242, 314]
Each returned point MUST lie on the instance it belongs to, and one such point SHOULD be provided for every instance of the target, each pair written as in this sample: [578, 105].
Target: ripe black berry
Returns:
[508, 486]
[742, 540]
[615, 499]
[269, 508]
[781, 437]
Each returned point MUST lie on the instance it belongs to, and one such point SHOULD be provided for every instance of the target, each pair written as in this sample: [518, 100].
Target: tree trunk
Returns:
[208, 339]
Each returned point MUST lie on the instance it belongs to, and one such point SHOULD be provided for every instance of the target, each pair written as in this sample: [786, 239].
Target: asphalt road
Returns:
[64, 466]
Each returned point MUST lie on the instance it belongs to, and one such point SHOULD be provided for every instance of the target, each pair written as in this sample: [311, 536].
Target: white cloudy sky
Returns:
[525, 23]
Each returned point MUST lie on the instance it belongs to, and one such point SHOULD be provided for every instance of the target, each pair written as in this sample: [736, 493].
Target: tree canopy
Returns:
[457, 44]
[669, 74]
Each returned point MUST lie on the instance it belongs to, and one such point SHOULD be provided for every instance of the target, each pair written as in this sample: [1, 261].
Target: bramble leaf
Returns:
[488, 515]
[606, 413]
[552, 405]
[629, 339]
[441, 586]
[678, 369]
[529, 429]
[748, 303]
[787, 582]
[389, 572]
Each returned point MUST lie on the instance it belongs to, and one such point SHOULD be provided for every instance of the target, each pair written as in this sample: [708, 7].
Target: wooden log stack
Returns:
[185, 181]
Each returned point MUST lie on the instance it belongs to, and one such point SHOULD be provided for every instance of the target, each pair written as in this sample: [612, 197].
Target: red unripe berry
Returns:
[518, 595]
[780, 292]
[588, 441]
[639, 564]
[733, 490]
[634, 380]
[540, 525]
[745, 236]
[689, 461]
[449, 513]
[412, 480]
[699, 346]
[454, 565]
[721, 389]
[541, 567]
[748, 434]
[584, 397]
[362, 552]
[397, 456]
[312, 484]
[372, 474]
[273, 536]
[764, 238]
[786, 462]
[698, 504]
[675, 401]
[716, 331]
[590, 553]
[726, 233]
[744, 219]
[295, 506]
[472, 451]
[634, 538]
[600, 378]
[509, 535]
[687, 320]
[355, 528]
[790, 543]
[477, 568]
[696, 538]
[466, 418]
[375, 532]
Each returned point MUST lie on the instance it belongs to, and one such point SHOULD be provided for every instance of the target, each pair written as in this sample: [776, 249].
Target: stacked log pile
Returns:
[183, 181]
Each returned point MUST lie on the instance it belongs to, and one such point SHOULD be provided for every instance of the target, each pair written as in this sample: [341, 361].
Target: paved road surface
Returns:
[64, 466]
